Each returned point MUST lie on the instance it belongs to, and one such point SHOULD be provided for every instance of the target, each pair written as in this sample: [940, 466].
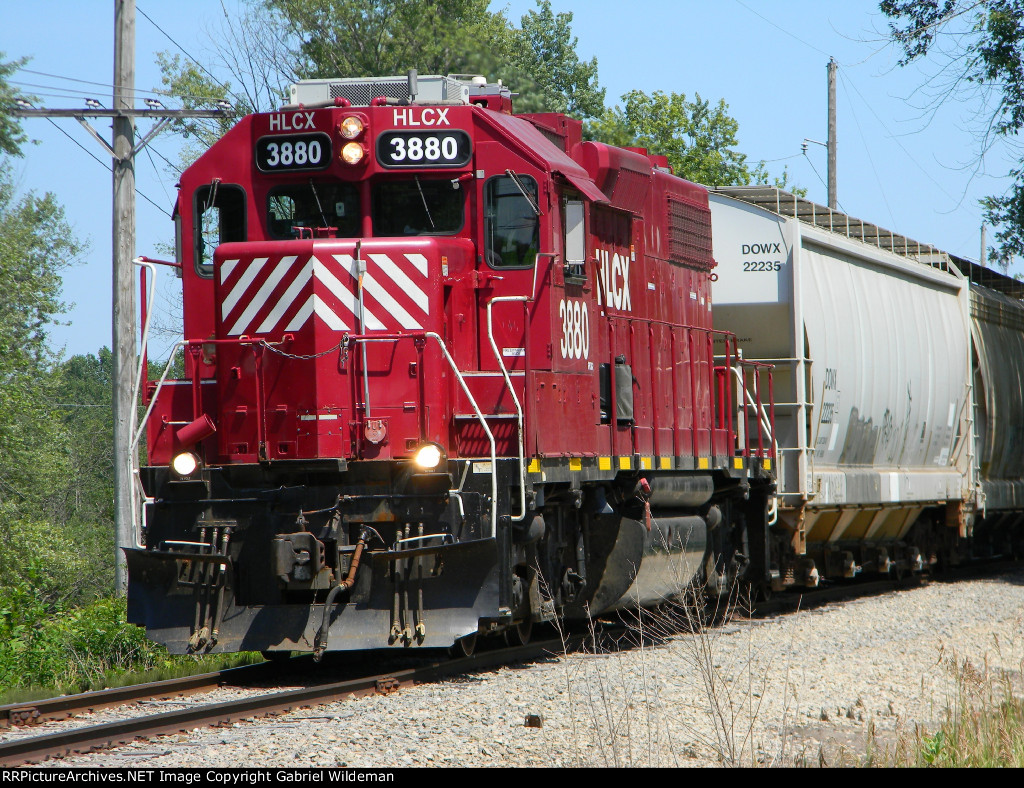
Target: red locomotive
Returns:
[448, 371]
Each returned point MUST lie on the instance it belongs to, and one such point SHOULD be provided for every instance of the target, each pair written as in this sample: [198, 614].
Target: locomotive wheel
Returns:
[463, 647]
[519, 634]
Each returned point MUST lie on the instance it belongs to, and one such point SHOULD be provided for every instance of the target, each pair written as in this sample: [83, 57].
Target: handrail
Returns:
[766, 423]
[469, 396]
[245, 340]
[515, 398]
[135, 472]
[763, 420]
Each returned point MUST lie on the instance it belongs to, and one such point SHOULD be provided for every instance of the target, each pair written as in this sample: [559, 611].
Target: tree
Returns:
[276, 42]
[36, 244]
[979, 45]
[84, 389]
[359, 38]
[698, 137]
[41, 513]
[544, 49]
[11, 135]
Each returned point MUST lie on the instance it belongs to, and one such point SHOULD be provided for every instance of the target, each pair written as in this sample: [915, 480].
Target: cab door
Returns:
[505, 268]
[512, 240]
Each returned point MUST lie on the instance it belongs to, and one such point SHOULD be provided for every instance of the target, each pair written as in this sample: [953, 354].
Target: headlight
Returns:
[428, 456]
[351, 127]
[185, 464]
[352, 153]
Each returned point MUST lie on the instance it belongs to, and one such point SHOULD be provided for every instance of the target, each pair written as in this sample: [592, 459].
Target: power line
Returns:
[107, 167]
[782, 29]
[149, 155]
[783, 158]
[88, 82]
[80, 145]
[64, 95]
[895, 139]
[871, 161]
[194, 60]
[75, 93]
[823, 183]
[167, 161]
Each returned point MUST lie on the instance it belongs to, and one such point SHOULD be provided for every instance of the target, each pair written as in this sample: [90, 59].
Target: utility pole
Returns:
[833, 199]
[123, 152]
[123, 246]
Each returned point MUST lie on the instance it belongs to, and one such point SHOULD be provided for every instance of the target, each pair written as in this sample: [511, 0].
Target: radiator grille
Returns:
[689, 234]
[362, 93]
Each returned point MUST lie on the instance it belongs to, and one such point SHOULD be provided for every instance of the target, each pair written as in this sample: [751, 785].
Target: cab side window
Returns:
[574, 240]
[511, 221]
[219, 218]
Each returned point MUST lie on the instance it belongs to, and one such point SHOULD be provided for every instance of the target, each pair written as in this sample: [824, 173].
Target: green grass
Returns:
[989, 737]
[46, 652]
[982, 728]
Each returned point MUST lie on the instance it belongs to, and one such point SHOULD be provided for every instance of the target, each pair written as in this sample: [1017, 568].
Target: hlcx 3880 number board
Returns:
[450, 148]
[287, 153]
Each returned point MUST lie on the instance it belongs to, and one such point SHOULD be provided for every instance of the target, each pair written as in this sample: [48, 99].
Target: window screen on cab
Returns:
[219, 218]
[299, 210]
[417, 206]
[511, 224]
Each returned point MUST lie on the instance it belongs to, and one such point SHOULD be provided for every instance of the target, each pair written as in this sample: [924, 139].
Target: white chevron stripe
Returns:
[399, 277]
[287, 299]
[419, 261]
[251, 272]
[327, 315]
[346, 296]
[302, 315]
[312, 306]
[335, 285]
[262, 295]
[226, 268]
[385, 299]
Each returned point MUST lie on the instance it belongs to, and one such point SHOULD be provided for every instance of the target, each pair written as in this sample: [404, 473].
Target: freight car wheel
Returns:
[463, 647]
[519, 635]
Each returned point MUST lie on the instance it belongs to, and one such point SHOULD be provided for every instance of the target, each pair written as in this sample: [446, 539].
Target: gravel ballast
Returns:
[752, 692]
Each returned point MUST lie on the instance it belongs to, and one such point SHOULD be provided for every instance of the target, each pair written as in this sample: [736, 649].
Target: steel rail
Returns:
[34, 749]
[36, 711]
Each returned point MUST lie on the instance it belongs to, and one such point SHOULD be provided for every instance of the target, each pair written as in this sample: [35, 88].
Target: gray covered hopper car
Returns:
[898, 386]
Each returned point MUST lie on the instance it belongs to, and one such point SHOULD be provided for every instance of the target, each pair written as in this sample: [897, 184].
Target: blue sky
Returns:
[899, 165]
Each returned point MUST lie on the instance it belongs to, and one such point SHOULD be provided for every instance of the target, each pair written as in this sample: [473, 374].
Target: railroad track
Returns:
[830, 593]
[39, 711]
[33, 749]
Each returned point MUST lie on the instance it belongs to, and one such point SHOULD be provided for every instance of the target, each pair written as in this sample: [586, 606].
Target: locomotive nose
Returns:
[311, 334]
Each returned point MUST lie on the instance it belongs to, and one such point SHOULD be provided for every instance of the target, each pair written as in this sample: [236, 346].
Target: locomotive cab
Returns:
[447, 370]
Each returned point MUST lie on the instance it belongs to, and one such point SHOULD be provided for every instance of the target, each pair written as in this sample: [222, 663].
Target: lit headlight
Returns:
[351, 127]
[428, 456]
[352, 153]
[185, 464]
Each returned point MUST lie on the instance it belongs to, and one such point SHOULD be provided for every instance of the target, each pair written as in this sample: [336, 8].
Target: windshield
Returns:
[417, 206]
[295, 208]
